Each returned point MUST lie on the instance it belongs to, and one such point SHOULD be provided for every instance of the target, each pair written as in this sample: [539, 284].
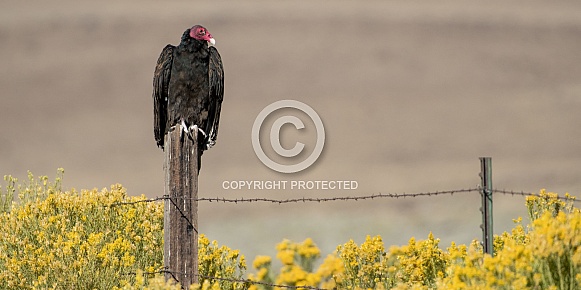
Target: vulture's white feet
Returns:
[210, 144]
[200, 130]
[184, 126]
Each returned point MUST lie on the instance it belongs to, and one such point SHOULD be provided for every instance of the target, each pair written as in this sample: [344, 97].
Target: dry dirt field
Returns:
[410, 94]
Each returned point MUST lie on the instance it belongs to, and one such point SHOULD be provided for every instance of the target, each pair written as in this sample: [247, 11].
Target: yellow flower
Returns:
[261, 261]
[286, 257]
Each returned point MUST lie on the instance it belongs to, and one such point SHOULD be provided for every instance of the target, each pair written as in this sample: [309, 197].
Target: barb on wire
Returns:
[523, 193]
[137, 201]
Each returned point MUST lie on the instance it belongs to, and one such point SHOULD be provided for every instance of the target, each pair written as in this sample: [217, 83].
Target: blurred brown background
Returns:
[411, 94]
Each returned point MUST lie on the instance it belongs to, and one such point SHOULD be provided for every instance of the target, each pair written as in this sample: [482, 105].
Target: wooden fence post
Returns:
[180, 253]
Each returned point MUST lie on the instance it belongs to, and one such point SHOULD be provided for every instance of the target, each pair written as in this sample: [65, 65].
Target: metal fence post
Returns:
[486, 192]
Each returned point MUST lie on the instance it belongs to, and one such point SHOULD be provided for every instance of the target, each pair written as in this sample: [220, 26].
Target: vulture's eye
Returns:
[202, 32]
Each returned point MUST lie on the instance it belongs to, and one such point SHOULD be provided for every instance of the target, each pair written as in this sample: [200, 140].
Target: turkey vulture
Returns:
[188, 87]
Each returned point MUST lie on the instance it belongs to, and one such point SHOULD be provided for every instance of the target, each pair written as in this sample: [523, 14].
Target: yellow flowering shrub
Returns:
[214, 262]
[76, 240]
[366, 266]
[7, 196]
[297, 269]
[546, 255]
[50, 239]
[549, 202]
[297, 263]
[158, 282]
[464, 269]
[556, 251]
[55, 239]
[417, 264]
[219, 262]
[263, 274]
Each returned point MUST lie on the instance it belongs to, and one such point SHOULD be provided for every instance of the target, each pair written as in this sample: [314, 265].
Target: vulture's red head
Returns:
[201, 33]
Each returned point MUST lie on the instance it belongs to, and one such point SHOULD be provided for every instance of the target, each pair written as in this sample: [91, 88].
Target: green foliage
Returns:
[7, 197]
[32, 190]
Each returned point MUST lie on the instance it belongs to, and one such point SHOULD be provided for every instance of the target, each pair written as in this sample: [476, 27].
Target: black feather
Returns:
[161, 79]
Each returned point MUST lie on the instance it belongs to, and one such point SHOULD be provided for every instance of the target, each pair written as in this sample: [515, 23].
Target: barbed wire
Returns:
[261, 283]
[340, 198]
[523, 193]
[165, 197]
[343, 198]
[303, 199]
[234, 280]
[138, 201]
